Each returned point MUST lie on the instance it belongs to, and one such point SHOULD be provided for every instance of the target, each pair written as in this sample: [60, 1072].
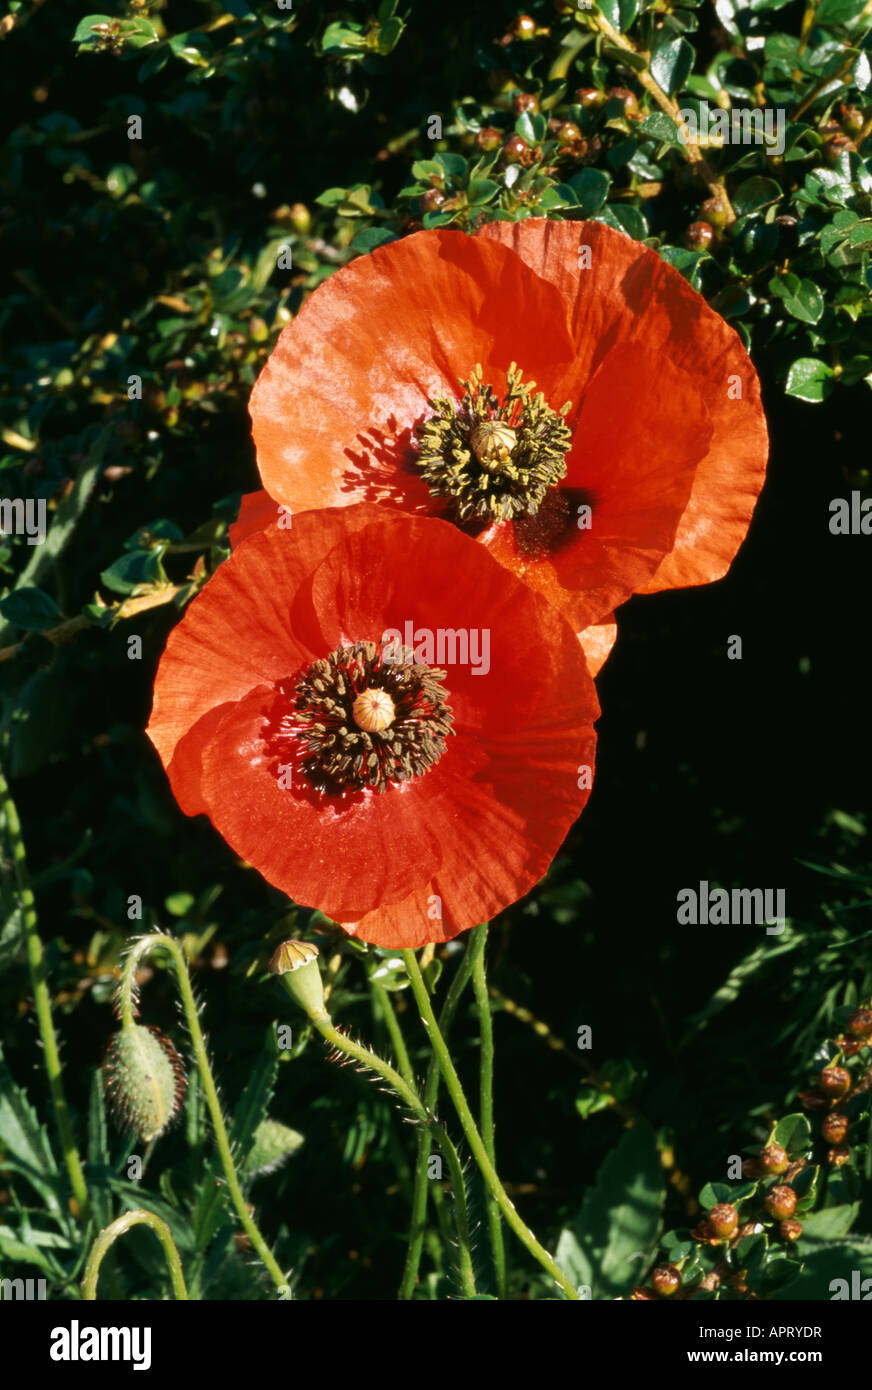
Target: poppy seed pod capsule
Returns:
[297, 964]
[145, 1080]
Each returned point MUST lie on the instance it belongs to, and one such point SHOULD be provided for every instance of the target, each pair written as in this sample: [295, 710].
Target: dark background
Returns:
[707, 768]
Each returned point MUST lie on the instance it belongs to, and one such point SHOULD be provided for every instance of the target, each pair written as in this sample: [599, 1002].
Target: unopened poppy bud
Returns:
[834, 1127]
[666, 1280]
[835, 1082]
[773, 1159]
[297, 964]
[145, 1080]
[781, 1202]
[790, 1230]
[860, 1023]
[724, 1220]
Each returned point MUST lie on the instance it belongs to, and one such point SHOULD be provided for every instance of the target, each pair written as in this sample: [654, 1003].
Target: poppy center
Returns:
[494, 458]
[367, 719]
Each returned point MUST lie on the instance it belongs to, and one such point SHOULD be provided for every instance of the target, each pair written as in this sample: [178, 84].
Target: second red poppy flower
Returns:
[381, 719]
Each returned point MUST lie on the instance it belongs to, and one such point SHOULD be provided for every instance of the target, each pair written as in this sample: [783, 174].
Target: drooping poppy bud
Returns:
[145, 1080]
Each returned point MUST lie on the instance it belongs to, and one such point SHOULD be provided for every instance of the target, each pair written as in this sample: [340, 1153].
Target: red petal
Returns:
[639, 431]
[597, 642]
[334, 406]
[630, 295]
[238, 634]
[484, 822]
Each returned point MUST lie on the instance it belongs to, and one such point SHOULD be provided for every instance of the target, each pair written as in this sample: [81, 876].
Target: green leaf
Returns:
[830, 1223]
[714, 1193]
[671, 64]
[793, 1133]
[25, 1142]
[810, 379]
[615, 1236]
[272, 1145]
[453, 164]
[755, 193]
[87, 29]
[340, 37]
[331, 197]
[590, 187]
[368, 238]
[620, 13]
[835, 1271]
[67, 515]
[135, 572]
[99, 1160]
[30, 609]
[838, 11]
[481, 191]
[628, 57]
[802, 299]
[660, 127]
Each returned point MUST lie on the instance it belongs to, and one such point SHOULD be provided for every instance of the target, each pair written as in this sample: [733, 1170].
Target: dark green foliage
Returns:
[148, 280]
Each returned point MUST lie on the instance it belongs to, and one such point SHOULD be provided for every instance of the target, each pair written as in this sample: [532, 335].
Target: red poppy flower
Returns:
[647, 480]
[381, 719]
[258, 510]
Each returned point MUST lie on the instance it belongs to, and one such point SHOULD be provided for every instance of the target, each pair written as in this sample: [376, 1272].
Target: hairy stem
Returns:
[118, 1228]
[127, 1008]
[486, 1108]
[461, 1105]
[432, 1127]
[462, 976]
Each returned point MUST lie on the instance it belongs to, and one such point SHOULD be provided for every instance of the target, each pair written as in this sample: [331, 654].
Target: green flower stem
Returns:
[118, 1228]
[398, 1042]
[461, 1105]
[410, 1098]
[42, 1001]
[486, 1108]
[142, 948]
[462, 976]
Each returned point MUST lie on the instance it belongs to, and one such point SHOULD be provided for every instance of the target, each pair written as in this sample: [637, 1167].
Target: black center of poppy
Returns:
[366, 719]
[495, 459]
